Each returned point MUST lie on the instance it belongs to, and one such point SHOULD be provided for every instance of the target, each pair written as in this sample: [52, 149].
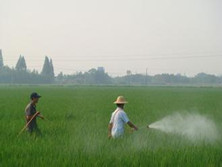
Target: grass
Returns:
[75, 133]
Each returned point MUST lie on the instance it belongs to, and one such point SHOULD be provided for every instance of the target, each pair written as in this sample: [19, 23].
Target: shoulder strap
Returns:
[115, 114]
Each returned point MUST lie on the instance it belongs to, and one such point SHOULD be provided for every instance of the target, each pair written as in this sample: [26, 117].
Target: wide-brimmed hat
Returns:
[120, 100]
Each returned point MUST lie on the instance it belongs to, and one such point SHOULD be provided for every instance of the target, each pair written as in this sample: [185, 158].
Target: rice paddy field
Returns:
[75, 131]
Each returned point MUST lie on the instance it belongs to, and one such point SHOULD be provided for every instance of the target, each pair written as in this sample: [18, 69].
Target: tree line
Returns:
[94, 76]
[21, 75]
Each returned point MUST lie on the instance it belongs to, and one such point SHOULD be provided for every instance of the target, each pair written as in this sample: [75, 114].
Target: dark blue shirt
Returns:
[30, 110]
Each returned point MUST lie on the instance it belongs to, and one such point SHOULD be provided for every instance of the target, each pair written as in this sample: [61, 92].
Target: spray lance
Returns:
[147, 127]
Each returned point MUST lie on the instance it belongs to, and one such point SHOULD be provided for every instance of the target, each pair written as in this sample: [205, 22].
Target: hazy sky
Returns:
[165, 36]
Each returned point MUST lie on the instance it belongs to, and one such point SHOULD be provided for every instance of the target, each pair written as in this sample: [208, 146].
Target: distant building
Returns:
[101, 69]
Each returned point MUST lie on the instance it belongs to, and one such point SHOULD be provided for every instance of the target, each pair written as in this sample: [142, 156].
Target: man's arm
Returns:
[110, 126]
[132, 125]
[29, 117]
[40, 116]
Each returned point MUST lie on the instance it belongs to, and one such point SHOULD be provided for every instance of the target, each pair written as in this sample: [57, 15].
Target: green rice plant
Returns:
[75, 132]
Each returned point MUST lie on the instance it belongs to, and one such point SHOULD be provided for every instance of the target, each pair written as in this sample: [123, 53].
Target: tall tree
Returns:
[21, 64]
[52, 69]
[1, 60]
[46, 70]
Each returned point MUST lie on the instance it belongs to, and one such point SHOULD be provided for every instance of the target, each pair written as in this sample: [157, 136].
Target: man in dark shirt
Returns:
[31, 113]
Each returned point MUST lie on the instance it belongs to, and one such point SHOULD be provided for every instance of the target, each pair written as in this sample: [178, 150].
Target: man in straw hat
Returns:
[118, 119]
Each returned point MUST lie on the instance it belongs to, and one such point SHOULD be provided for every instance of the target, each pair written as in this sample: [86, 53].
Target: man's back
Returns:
[30, 110]
[118, 119]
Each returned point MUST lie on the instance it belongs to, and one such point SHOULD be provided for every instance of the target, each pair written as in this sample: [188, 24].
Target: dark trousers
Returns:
[34, 130]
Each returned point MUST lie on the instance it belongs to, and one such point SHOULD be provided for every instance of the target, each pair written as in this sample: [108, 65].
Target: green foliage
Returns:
[92, 77]
[96, 77]
[75, 133]
[1, 60]
[12, 76]
[48, 71]
[20, 75]
[21, 64]
[52, 74]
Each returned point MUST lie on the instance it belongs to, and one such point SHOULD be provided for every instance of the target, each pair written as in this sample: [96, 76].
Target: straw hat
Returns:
[120, 100]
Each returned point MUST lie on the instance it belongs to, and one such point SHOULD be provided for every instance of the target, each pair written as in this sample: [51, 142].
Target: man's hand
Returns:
[110, 126]
[40, 116]
[132, 125]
